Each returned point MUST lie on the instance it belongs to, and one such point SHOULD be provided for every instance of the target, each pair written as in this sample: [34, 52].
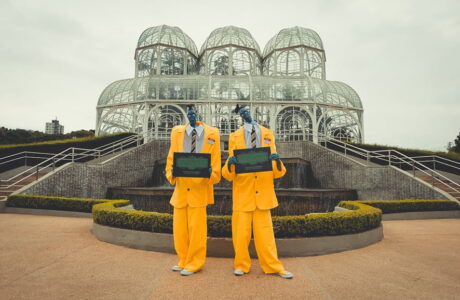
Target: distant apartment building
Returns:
[54, 127]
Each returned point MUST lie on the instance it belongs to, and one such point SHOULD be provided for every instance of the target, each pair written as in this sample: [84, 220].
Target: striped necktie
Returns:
[253, 137]
[193, 147]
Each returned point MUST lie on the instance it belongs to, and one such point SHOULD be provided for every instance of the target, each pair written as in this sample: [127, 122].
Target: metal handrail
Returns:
[393, 160]
[73, 157]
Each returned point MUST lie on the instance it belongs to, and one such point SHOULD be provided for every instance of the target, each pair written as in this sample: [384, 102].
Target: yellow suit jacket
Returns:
[194, 192]
[253, 190]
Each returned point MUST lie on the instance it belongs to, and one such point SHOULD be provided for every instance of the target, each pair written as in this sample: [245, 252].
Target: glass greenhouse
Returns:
[284, 86]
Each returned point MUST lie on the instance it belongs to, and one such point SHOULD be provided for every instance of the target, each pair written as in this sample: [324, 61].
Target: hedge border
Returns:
[400, 206]
[361, 216]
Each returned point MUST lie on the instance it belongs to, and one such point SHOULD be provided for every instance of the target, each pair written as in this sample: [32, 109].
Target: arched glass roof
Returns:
[230, 35]
[230, 88]
[169, 35]
[292, 37]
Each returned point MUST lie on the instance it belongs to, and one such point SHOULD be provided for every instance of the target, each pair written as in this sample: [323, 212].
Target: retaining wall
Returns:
[330, 169]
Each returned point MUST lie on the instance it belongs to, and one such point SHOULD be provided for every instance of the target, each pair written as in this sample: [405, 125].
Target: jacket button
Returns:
[188, 189]
[257, 192]
[255, 176]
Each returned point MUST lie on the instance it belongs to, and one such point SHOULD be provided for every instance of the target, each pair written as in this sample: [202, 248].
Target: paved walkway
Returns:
[59, 258]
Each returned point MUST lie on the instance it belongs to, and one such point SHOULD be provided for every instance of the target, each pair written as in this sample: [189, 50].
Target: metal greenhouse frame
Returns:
[285, 88]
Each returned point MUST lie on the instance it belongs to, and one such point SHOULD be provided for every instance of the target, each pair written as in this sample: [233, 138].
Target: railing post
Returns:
[345, 149]
[413, 168]
[434, 163]
[54, 164]
[73, 153]
[36, 174]
[389, 157]
[25, 161]
[367, 158]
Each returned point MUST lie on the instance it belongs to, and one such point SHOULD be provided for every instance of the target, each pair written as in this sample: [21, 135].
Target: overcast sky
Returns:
[402, 57]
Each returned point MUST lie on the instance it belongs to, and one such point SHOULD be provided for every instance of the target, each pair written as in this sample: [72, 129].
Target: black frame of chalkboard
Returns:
[262, 167]
[183, 172]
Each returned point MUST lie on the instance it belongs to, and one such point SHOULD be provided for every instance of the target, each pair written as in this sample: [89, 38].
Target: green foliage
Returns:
[398, 206]
[55, 203]
[20, 136]
[361, 216]
[456, 146]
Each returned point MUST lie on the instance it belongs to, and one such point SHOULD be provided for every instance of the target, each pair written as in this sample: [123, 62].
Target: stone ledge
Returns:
[422, 215]
[46, 212]
[223, 247]
[2, 205]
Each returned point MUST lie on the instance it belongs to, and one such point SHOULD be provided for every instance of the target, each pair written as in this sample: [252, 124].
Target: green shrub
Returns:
[360, 218]
[55, 203]
[398, 206]
[110, 215]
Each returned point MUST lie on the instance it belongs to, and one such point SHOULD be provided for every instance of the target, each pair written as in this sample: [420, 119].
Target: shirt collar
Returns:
[199, 129]
[248, 127]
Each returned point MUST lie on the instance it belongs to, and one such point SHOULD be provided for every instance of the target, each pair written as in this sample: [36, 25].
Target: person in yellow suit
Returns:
[253, 197]
[192, 195]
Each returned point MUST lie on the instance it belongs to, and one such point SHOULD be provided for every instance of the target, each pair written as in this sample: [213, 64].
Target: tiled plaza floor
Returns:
[58, 258]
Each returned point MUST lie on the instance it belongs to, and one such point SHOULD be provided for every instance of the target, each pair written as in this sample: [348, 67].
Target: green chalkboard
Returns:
[253, 160]
[191, 164]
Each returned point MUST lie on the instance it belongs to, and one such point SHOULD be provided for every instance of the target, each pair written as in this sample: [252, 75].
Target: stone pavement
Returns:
[58, 258]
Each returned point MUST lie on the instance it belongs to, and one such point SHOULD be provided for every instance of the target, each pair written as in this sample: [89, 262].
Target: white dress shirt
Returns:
[247, 134]
[188, 138]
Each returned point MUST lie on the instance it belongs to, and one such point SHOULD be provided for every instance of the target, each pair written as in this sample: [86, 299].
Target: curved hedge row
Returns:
[55, 203]
[399, 206]
[359, 218]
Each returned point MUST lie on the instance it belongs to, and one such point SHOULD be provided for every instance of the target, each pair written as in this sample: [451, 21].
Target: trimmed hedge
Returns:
[361, 216]
[399, 206]
[55, 203]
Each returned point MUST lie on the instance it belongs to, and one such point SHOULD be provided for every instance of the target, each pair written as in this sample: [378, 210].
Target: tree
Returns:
[456, 146]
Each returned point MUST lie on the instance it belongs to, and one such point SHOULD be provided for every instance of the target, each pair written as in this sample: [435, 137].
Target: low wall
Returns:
[47, 212]
[332, 170]
[422, 215]
[223, 247]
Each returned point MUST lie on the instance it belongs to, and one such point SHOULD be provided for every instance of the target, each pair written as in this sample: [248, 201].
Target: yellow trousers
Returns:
[190, 236]
[264, 240]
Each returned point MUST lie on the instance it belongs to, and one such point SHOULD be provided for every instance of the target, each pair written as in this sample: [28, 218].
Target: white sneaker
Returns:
[238, 272]
[176, 268]
[285, 274]
[184, 272]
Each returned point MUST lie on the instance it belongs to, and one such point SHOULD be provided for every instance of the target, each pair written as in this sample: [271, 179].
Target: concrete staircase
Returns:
[440, 184]
[6, 189]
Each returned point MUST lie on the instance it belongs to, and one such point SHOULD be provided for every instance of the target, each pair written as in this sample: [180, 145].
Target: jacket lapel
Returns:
[239, 138]
[208, 135]
[180, 138]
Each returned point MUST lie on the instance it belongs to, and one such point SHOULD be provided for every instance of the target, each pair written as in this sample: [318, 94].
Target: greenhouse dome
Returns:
[167, 35]
[230, 50]
[293, 37]
[295, 51]
[230, 35]
[165, 50]
[285, 91]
